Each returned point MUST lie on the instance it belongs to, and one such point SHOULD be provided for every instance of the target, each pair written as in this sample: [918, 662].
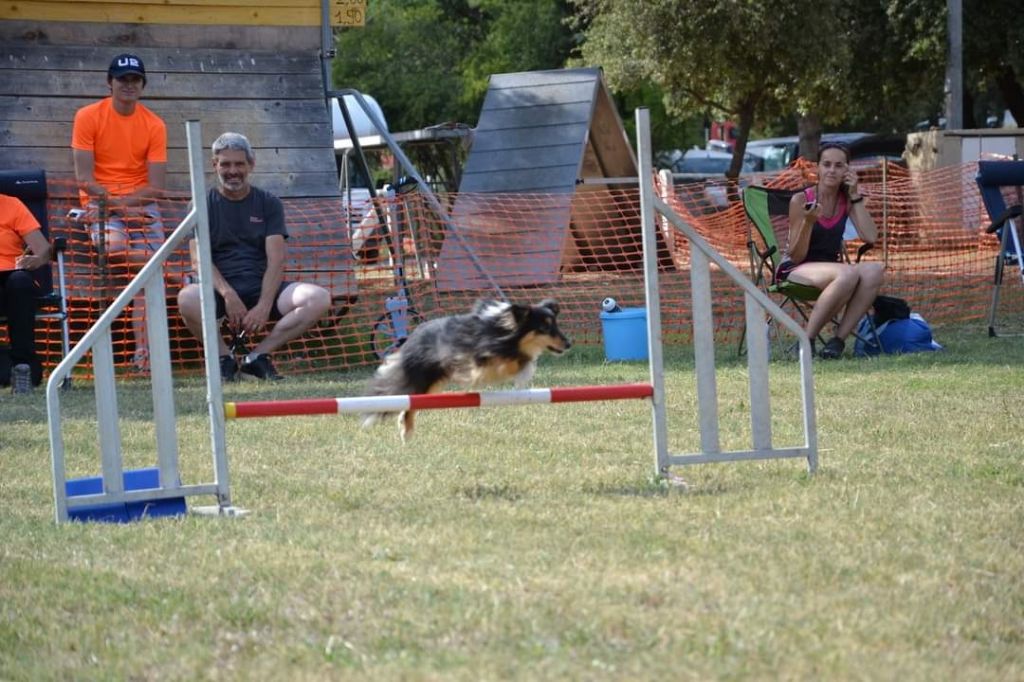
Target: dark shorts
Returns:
[250, 299]
[785, 267]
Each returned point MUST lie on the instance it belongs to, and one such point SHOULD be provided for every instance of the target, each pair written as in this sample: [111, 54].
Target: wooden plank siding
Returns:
[260, 80]
[273, 96]
[207, 12]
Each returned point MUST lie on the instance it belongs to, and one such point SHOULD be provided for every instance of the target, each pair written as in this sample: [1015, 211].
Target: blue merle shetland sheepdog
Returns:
[493, 343]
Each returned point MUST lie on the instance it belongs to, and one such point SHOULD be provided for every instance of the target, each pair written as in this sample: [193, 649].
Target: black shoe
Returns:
[21, 379]
[833, 349]
[228, 368]
[261, 368]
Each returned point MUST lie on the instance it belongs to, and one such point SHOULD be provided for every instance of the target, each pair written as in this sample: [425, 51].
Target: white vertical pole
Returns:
[163, 384]
[57, 465]
[704, 350]
[651, 291]
[885, 211]
[757, 363]
[214, 393]
[108, 423]
[954, 66]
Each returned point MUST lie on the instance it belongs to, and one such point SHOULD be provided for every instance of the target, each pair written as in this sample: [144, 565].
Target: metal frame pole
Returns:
[652, 292]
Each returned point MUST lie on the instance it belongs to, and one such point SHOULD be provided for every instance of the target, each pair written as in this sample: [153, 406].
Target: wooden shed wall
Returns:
[262, 81]
[224, 12]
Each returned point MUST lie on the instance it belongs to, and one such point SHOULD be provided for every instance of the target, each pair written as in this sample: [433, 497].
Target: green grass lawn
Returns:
[535, 543]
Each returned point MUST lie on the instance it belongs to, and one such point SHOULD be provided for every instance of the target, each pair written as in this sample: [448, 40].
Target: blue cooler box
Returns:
[625, 334]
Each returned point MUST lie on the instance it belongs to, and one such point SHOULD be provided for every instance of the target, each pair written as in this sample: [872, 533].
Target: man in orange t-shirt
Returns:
[23, 248]
[120, 153]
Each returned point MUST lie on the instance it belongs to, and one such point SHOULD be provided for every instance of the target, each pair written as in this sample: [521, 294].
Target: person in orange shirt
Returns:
[120, 153]
[23, 248]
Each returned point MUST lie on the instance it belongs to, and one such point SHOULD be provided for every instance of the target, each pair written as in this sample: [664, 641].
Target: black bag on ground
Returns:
[890, 308]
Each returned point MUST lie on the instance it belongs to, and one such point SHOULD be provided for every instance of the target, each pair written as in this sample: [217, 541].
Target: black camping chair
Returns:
[992, 177]
[30, 187]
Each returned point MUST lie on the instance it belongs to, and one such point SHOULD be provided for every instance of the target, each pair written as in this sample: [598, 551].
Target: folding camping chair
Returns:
[992, 177]
[30, 187]
[768, 210]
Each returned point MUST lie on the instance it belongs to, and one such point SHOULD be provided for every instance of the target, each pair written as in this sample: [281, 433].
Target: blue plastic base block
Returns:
[134, 479]
[625, 334]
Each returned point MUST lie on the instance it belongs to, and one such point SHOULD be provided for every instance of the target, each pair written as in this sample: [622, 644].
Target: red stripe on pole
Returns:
[285, 408]
[440, 401]
[436, 401]
[579, 394]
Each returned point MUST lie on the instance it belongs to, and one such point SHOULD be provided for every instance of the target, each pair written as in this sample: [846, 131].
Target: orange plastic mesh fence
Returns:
[576, 248]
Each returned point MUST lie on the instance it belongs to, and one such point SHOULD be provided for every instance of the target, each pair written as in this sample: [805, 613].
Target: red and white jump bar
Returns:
[435, 401]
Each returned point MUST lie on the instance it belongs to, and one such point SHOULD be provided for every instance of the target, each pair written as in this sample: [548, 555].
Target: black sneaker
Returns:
[833, 349]
[228, 368]
[261, 368]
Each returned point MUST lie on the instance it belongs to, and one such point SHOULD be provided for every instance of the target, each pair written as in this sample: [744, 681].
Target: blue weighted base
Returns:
[134, 479]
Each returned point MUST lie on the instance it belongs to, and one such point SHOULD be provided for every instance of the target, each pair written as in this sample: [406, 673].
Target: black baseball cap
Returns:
[124, 64]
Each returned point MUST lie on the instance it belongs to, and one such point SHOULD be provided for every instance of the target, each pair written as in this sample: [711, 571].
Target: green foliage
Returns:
[429, 61]
[390, 57]
[877, 65]
[526, 35]
[668, 131]
[749, 61]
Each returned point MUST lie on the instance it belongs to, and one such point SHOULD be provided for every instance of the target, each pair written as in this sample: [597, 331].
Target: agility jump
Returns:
[114, 487]
[757, 304]
[436, 401]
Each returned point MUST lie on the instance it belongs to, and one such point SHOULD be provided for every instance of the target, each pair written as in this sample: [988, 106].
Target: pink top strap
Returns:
[840, 213]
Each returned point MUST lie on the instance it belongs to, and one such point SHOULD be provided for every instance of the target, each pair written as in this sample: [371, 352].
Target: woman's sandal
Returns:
[833, 349]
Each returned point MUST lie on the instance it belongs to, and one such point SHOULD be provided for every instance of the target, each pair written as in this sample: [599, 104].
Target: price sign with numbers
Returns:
[348, 12]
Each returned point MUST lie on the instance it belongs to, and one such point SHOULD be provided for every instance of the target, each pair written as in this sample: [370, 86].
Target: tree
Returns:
[877, 66]
[905, 48]
[429, 61]
[994, 51]
[748, 60]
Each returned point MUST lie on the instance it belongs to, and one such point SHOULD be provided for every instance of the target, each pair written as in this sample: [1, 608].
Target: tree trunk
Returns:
[746, 122]
[1012, 93]
[970, 120]
[809, 128]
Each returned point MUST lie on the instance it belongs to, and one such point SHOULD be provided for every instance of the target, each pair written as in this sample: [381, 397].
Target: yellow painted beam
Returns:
[189, 4]
[199, 12]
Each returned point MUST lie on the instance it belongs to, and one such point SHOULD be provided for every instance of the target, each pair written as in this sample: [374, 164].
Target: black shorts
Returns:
[250, 299]
[785, 267]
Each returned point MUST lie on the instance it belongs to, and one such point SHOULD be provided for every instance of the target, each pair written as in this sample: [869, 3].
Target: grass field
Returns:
[535, 543]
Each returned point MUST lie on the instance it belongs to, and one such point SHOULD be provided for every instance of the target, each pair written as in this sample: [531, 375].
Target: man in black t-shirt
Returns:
[247, 236]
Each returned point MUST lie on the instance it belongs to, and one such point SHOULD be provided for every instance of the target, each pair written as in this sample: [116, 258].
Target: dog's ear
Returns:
[551, 304]
[520, 313]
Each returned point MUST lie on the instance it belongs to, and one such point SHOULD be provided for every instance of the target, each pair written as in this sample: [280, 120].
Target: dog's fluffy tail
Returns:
[371, 418]
[389, 379]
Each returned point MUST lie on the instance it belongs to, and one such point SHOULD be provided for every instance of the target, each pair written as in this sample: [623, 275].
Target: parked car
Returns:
[706, 162]
[778, 152]
[708, 167]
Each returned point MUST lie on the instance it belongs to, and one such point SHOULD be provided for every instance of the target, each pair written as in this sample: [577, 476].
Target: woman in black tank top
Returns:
[817, 218]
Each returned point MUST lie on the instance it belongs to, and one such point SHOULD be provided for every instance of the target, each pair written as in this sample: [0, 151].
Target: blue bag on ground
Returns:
[909, 335]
